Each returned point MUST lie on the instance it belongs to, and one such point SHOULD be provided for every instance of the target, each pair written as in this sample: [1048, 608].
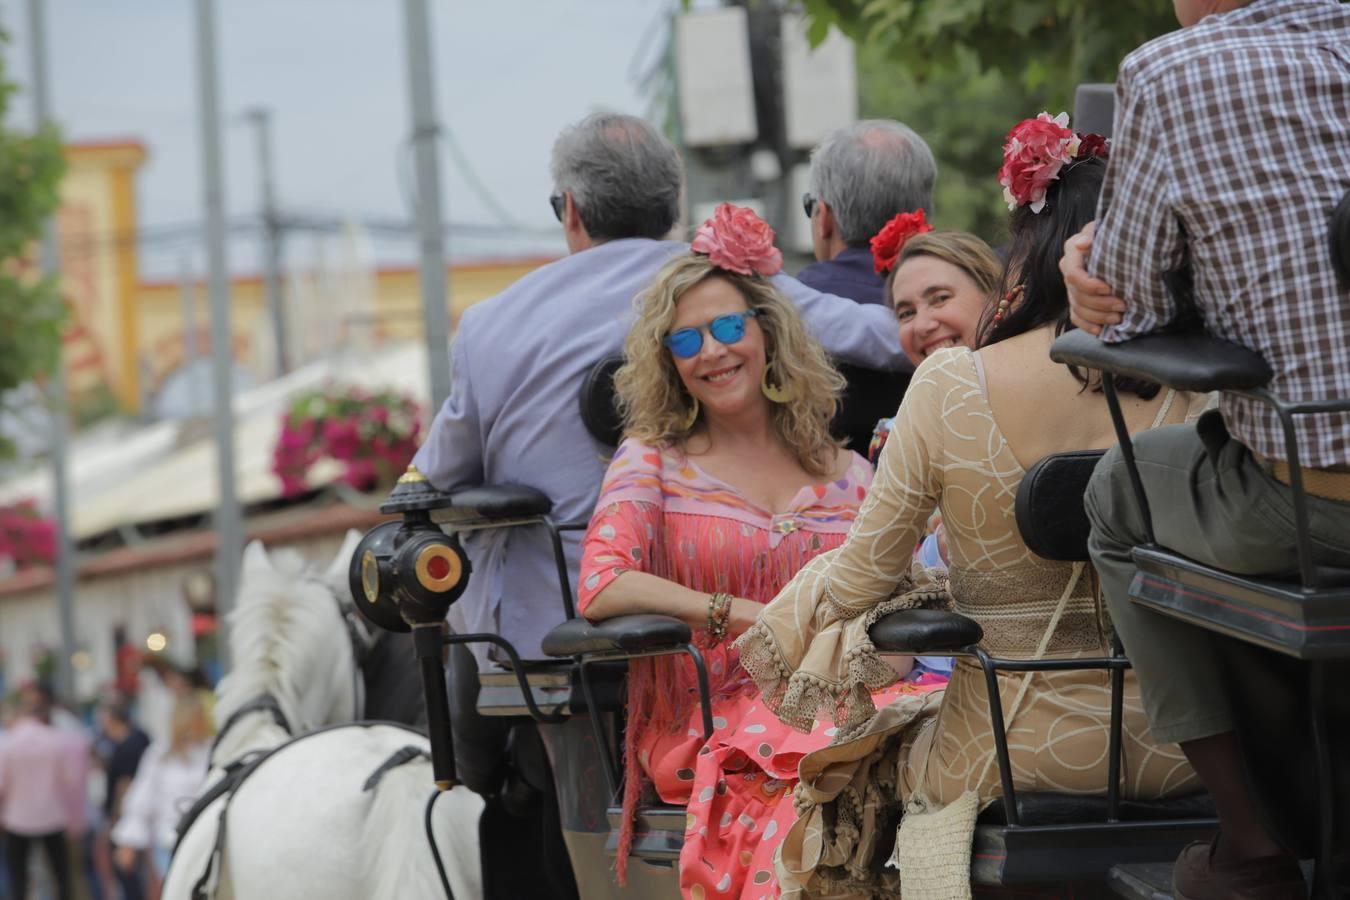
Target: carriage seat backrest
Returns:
[599, 404]
[870, 395]
[1049, 505]
[1340, 240]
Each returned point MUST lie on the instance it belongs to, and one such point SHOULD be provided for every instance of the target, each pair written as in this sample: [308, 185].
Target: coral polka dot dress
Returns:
[659, 513]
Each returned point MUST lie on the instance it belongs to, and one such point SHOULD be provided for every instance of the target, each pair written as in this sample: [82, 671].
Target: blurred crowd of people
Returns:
[89, 799]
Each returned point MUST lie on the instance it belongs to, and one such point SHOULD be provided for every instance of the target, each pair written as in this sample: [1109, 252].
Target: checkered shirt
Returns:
[1231, 148]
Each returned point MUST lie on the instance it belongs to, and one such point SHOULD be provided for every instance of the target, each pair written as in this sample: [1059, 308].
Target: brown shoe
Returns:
[1197, 877]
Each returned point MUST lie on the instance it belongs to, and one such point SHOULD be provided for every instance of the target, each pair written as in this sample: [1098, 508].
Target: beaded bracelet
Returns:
[719, 610]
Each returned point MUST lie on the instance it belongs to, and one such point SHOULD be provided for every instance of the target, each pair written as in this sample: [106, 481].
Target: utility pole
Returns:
[50, 262]
[261, 120]
[431, 239]
[229, 539]
[187, 292]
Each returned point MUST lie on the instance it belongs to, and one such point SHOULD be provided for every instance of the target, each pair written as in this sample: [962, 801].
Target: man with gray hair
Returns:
[519, 361]
[861, 177]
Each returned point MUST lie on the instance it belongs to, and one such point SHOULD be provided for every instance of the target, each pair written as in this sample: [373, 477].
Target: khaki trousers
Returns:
[1212, 502]
[583, 799]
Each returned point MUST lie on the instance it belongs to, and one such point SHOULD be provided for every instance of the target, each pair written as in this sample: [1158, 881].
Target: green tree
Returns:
[1049, 46]
[963, 113]
[962, 72]
[31, 310]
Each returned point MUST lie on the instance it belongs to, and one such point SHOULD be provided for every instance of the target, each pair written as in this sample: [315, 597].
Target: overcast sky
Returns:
[509, 75]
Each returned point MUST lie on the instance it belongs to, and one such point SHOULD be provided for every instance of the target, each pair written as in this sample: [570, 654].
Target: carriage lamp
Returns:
[431, 569]
[405, 574]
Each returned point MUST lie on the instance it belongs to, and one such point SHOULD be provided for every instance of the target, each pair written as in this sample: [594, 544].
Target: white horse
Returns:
[303, 823]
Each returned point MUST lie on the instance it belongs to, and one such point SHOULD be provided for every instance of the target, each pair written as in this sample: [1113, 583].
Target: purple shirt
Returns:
[42, 778]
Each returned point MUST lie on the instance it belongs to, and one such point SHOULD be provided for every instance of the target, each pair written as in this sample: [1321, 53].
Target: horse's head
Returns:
[294, 636]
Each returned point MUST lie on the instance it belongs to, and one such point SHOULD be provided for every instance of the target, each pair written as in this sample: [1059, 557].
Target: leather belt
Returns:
[1330, 484]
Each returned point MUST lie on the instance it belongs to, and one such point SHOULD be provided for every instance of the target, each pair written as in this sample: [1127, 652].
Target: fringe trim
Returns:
[799, 697]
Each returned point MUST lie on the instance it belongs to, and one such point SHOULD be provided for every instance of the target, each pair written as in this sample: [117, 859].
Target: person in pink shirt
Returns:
[41, 791]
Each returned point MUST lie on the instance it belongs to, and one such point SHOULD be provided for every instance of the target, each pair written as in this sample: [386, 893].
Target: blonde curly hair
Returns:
[655, 404]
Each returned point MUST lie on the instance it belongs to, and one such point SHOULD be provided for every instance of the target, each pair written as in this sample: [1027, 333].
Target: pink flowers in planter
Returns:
[373, 434]
[26, 537]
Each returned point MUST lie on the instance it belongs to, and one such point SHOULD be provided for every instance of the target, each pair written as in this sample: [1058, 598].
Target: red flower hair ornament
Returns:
[739, 241]
[1036, 151]
[887, 242]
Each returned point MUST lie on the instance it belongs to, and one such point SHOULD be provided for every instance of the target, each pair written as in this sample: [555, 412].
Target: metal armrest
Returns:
[490, 504]
[485, 502]
[622, 634]
[627, 637]
[924, 631]
[1187, 362]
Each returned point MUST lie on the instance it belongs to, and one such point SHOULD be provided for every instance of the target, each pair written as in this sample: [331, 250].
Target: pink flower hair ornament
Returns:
[1036, 152]
[739, 241]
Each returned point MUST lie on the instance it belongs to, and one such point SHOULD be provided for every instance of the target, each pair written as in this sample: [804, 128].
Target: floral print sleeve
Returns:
[624, 530]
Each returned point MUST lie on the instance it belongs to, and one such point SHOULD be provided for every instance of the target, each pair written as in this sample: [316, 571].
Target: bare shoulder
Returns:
[1020, 360]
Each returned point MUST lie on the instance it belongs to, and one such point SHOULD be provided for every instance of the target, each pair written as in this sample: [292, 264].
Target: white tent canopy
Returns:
[168, 469]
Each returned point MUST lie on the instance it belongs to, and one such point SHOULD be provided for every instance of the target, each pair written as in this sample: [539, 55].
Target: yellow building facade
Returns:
[96, 229]
[126, 335]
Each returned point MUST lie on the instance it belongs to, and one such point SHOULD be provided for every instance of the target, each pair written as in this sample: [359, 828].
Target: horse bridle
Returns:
[361, 640]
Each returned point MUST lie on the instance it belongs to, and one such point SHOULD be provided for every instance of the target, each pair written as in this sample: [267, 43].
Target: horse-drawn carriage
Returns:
[1289, 637]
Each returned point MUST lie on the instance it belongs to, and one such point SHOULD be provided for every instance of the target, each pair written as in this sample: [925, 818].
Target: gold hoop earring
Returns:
[775, 392]
[687, 424]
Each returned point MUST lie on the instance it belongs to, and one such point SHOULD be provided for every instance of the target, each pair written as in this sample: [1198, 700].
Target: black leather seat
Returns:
[596, 402]
[924, 631]
[486, 502]
[638, 634]
[493, 503]
[870, 395]
[1339, 239]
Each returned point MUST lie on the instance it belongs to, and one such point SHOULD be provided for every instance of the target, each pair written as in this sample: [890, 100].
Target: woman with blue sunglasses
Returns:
[727, 484]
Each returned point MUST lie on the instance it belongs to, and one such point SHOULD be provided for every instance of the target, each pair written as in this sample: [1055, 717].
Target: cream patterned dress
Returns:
[810, 649]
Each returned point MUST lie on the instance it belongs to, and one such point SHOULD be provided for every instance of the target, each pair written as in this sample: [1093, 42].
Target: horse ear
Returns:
[337, 569]
[255, 556]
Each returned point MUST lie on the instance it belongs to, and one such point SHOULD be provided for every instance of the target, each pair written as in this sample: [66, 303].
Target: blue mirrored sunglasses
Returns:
[686, 342]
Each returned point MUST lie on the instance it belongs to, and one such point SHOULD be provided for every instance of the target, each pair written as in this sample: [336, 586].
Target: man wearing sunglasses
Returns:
[518, 363]
[861, 177]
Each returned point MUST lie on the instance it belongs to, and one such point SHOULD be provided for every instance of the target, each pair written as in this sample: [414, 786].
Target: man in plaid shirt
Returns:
[1231, 148]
